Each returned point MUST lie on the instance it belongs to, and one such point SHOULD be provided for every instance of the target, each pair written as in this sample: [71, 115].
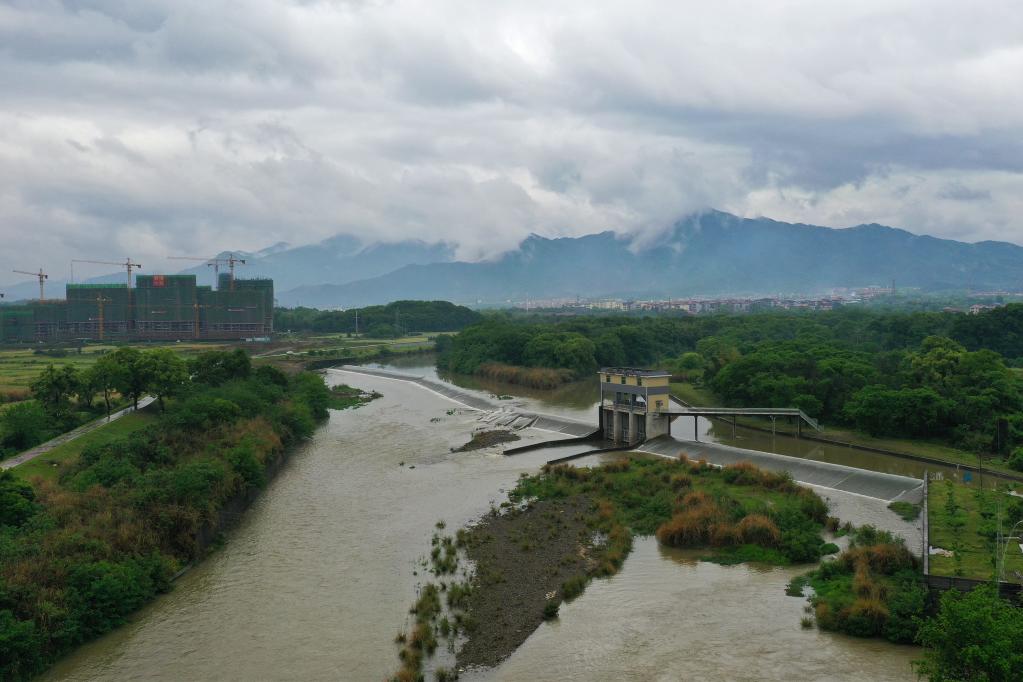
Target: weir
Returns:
[581, 439]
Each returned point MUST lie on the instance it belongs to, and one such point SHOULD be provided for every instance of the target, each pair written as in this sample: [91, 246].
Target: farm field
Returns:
[964, 520]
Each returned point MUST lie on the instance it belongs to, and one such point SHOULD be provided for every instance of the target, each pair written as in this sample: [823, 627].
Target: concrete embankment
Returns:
[821, 474]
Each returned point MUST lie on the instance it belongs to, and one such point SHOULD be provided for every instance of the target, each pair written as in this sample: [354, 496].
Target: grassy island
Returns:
[565, 526]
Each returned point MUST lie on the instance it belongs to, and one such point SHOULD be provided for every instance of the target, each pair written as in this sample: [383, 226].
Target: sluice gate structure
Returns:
[636, 405]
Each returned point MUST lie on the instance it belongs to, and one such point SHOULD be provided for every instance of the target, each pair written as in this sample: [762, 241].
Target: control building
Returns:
[169, 307]
[634, 404]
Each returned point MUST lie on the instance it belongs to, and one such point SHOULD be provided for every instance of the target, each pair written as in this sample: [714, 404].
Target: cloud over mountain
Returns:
[147, 128]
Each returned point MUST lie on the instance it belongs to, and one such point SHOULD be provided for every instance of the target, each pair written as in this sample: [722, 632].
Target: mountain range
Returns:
[709, 253]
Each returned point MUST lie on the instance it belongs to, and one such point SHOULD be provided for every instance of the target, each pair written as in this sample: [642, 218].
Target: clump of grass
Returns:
[806, 622]
[757, 529]
[550, 609]
[907, 510]
[445, 675]
[573, 587]
[796, 586]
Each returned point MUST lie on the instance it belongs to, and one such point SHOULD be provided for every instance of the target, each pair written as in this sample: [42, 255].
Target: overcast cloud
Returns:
[142, 129]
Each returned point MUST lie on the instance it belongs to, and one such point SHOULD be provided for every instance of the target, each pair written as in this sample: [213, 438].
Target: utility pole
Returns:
[356, 321]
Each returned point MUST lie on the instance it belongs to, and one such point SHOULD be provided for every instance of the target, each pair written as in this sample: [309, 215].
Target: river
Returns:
[317, 578]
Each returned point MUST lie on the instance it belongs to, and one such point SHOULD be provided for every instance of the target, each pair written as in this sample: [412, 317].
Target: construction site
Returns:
[157, 307]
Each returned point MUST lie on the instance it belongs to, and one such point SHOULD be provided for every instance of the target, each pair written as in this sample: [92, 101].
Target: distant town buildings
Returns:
[738, 304]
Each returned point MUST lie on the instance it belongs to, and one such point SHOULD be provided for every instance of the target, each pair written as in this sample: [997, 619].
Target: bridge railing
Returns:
[750, 411]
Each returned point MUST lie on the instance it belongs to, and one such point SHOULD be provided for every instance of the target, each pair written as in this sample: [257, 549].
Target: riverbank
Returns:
[142, 506]
[305, 589]
[918, 450]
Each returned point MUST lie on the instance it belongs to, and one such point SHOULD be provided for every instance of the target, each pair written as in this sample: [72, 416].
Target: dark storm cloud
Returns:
[168, 126]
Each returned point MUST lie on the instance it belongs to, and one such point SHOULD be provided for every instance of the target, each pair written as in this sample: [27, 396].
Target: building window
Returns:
[623, 378]
[639, 381]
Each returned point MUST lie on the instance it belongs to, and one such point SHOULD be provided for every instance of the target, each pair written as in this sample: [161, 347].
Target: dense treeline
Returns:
[935, 375]
[78, 554]
[379, 321]
[66, 397]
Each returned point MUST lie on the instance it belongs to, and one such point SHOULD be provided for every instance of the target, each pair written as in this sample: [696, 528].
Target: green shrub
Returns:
[243, 460]
[550, 609]
[17, 500]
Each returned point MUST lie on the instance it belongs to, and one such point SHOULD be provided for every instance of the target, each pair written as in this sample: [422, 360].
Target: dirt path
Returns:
[42, 449]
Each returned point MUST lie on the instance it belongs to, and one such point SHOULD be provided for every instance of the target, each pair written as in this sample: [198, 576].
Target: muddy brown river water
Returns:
[317, 578]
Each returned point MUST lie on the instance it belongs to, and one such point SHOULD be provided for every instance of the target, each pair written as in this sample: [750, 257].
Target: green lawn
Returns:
[49, 465]
[969, 531]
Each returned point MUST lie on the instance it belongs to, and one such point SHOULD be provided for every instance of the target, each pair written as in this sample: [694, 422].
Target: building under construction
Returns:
[168, 307]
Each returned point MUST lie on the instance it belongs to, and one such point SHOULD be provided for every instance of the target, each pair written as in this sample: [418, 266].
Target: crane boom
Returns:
[215, 263]
[42, 278]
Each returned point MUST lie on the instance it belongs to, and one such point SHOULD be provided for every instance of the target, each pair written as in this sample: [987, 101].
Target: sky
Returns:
[142, 129]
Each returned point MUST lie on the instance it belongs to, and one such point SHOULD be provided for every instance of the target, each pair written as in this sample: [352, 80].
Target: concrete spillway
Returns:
[497, 415]
[825, 474]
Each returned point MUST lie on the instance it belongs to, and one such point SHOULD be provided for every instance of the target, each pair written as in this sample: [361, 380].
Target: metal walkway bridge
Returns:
[773, 413]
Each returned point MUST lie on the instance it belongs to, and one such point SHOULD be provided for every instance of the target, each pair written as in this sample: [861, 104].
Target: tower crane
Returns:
[127, 264]
[215, 263]
[100, 300]
[42, 278]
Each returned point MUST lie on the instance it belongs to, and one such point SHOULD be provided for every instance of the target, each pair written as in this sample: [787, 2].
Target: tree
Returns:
[132, 375]
[53, 388]
[166, 372]
[23, 425]
[690, 366]
[974, 636]
[216, 367]
[102, 377]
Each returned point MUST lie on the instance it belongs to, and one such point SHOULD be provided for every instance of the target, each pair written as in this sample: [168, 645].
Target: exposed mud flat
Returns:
[522, 557]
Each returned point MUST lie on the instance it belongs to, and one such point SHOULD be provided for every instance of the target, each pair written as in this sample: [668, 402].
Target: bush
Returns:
[758, 529]
[203, 412]
[1015, 460]
[17, 500]
[244, 462]
[550, 609]
[866, 617]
